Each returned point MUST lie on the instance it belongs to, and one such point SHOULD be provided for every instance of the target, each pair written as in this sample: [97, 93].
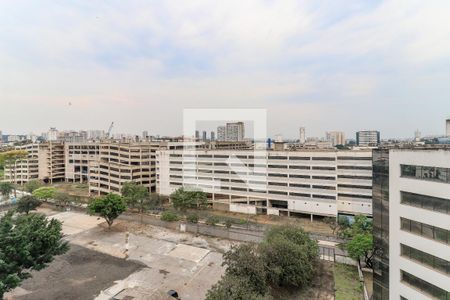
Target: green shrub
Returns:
[213, 220]
[228, 223]
[169, 216]
[192, 218]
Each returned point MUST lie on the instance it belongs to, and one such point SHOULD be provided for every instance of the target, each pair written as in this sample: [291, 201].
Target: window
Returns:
[424, 286]
[426, 202]
[425, 173]
[432, 261]
[354, 168]
[324, 158]
[425, 230]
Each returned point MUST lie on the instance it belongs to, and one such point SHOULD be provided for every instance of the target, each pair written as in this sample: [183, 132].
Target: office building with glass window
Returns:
[411, 211]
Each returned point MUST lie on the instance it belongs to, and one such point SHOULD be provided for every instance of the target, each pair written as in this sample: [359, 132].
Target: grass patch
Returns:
[347, 283]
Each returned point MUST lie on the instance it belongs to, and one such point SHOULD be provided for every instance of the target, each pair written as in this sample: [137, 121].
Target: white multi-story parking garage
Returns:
[313, 182]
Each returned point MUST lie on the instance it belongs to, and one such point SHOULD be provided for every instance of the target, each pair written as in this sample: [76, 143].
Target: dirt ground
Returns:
[79, 274]
[128, 261]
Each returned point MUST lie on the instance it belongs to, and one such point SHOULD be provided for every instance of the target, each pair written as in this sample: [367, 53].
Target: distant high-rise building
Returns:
[145, 134]
[1, 137]
[335, 137]
[447, 130]
[213, 135]
[367, 138]
[204, 137]
[197, 134]
[417, 135]
[278, 138]
[235, 131]
[221, 133]
[52, 134]
[302, 135]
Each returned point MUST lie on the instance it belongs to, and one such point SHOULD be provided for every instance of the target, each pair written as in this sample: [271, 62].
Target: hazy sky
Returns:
[326, 65]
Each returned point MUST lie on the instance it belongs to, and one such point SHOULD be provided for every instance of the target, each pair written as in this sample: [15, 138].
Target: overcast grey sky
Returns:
[326, 65]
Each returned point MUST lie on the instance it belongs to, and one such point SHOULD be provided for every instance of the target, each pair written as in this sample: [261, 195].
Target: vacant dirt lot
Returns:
[79, 274]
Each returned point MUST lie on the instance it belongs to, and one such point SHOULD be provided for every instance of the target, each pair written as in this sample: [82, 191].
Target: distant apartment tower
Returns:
[411, 210]
[447, 130]
[367, 138]
[235, 131]
[204, 136]
[221, 133]
[335, 137]
[302, 135]
[197, 134]
[52, 134]
[213, 135]
[145, 134]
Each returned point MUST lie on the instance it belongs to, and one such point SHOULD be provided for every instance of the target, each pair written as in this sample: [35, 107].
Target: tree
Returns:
[27, 203]
[135, 195]
[244, 261]
[63, 199]
[183, 199]
[232, 287]
[27, 242]
[6, 188]
[361, 246]
[290, 256]
[44, 193]
[32, 185]
[108, 207]
[361, 240]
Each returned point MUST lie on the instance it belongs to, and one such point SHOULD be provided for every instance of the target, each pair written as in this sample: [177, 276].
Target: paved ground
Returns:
[130, 261]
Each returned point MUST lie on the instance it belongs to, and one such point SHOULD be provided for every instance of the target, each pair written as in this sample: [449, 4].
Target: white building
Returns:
[221, 133]
[52, 134]
[412, 223]
[367, 138]
[315, 182]
[235, 131]
[335, 137]
[302, 135]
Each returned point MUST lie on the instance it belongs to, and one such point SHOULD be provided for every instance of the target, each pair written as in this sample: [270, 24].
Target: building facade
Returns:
[44, 161]
[235, 131]
[322, 183]
[411, 195]
[335, 138]
[368, 138]
[302, 135]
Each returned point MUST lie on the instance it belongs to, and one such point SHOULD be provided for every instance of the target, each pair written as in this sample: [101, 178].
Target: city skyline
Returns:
[325, 67]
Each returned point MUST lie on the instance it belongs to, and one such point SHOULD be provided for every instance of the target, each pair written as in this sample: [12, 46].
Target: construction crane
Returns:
[108, 134]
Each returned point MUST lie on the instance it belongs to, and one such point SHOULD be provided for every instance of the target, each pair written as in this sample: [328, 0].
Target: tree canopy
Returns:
[135, 195]
[32, 185]
[360, 244]
[183, 199]
[44, 193]
[27, 242]
[27, 203]
[286, 259]
[6, 188]
[108, 207]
